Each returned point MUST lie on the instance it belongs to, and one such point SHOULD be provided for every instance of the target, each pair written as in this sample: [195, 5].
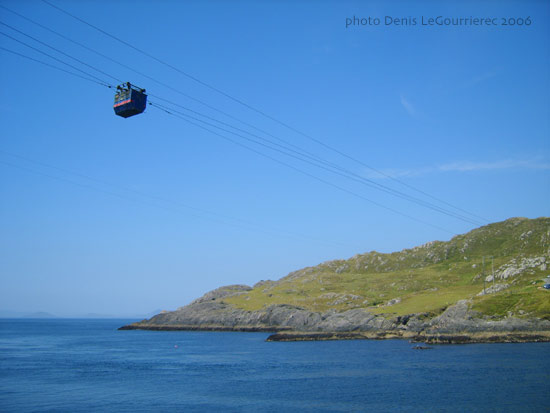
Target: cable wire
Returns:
[52, 66]
[343, 172]
[60, 51]
[259, 111]
[97, 79]
[304, 172]
[212, 216]
[356, 178]
[186, 117]
[285, 152]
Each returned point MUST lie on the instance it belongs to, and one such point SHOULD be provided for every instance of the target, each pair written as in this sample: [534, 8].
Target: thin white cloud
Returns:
[464, 166]
[408, 106]
[460, 166]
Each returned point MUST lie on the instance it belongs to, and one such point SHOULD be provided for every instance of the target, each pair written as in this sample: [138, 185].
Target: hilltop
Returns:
[487, 280]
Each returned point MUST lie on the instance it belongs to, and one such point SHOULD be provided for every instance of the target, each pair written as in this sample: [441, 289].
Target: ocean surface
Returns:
[83, 365]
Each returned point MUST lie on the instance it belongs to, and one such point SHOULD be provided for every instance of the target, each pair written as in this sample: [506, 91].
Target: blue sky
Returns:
[124, 216]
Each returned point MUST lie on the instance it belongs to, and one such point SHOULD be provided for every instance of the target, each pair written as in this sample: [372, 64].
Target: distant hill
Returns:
[40, 314]
[22, 314]
[418, 288]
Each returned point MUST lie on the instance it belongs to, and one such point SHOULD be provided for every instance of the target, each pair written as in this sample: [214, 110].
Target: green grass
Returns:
[426, 280]
[521, 302]
[429, 302]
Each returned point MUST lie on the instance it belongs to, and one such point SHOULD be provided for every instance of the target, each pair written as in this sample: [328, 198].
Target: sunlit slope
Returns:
[428, 278]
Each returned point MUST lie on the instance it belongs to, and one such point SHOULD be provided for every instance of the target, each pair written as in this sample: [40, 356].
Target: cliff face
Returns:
[210, 313]
[440, 287]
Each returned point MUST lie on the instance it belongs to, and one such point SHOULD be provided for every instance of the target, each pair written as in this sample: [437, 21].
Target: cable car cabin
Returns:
[129, 100]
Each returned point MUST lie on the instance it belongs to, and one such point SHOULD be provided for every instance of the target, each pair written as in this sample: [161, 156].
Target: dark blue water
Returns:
[87, 365]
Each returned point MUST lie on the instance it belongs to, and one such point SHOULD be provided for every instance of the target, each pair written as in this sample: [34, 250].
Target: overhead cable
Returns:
[259, 111]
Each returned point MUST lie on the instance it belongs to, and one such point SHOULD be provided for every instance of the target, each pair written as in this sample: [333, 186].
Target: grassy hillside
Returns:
[428, 278]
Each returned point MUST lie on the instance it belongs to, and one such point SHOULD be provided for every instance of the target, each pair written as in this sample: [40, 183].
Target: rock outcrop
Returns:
[460, 318]
[211, 313]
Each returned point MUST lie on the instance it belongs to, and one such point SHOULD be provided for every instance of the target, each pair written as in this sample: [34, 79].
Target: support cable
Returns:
[286, 153]
[97, 79]
[304, 172]
[52, 66]
[61, 52]
[300, 157]
[210, 216]
[260, 112]
[356, 177]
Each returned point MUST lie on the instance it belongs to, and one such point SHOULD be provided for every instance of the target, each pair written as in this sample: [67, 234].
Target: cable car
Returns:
[129, 100]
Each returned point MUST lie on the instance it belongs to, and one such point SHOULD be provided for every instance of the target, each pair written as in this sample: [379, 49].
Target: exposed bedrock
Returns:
[210, 312]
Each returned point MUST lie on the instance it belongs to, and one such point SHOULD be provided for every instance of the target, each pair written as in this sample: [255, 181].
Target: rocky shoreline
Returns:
[242, 329]
[458, 324]
[438, 292]
[464, 338]
[287, 335]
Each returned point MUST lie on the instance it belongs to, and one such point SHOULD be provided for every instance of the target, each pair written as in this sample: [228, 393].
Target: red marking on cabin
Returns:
[122, 103]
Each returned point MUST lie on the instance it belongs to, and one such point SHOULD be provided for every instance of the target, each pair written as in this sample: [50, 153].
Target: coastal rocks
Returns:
[201, 313]
[484, 337]
[354, 320]
[213, 314]
[455, 318]
[210, 311]
[288, 316]
[422, 338]
[324, 336]
[461, 318]
[412, 322]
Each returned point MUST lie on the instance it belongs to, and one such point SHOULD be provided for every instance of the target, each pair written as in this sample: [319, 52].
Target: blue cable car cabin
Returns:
[129, 100]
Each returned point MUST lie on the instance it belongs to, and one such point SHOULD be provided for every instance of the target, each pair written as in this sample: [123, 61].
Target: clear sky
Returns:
[100, 214]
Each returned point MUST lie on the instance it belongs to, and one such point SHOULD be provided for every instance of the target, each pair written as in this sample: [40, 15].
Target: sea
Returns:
[84, 365]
